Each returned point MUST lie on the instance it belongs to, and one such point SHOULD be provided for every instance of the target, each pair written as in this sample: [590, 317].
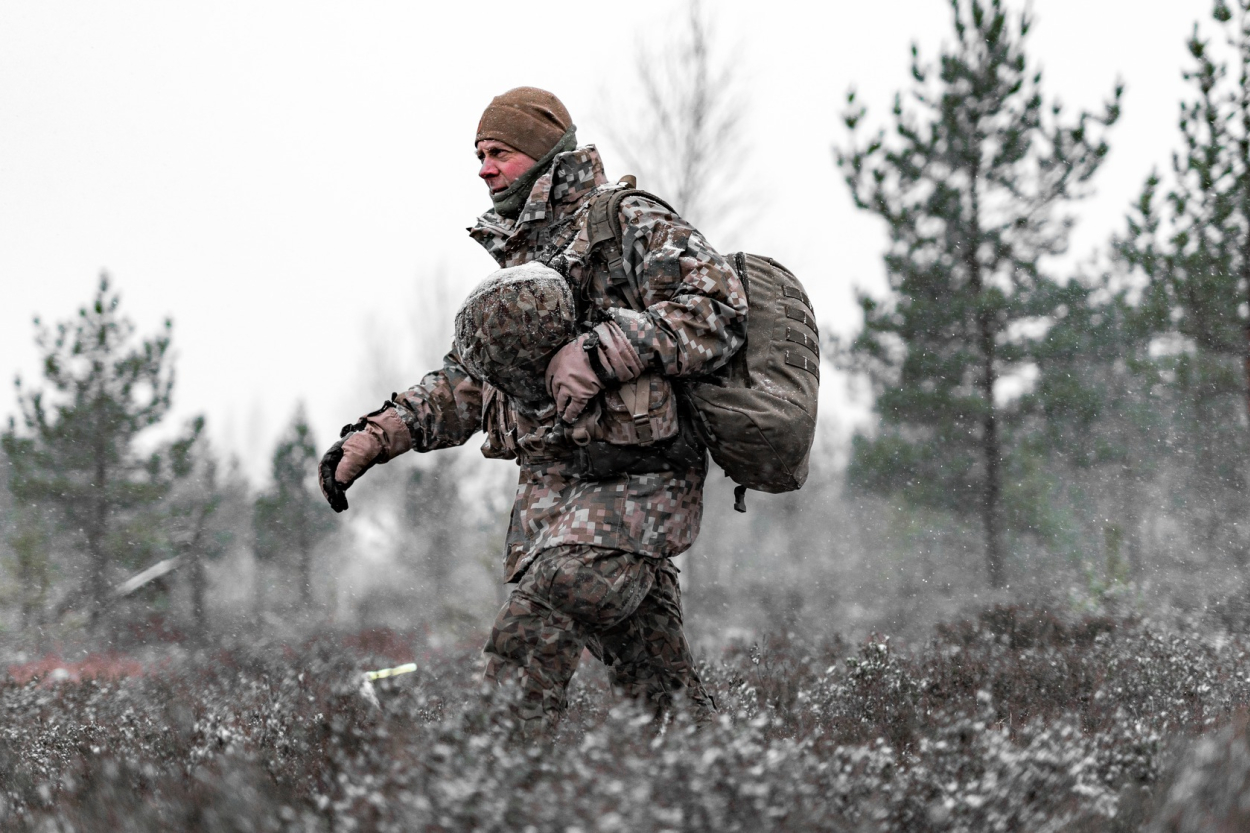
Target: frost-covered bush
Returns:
[1010, 721]
[1209, 785]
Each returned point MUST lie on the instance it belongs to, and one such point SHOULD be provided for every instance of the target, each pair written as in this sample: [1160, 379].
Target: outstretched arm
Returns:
[443, 410]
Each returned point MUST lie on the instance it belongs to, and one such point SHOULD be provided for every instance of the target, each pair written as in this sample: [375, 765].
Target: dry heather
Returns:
[1012, 721]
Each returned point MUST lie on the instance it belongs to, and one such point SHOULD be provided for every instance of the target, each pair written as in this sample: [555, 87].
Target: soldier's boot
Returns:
[537, 648]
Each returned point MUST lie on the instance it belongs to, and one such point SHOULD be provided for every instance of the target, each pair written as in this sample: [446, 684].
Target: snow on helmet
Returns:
[512, 324]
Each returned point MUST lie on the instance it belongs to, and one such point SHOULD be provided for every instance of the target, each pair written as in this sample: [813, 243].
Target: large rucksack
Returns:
[756, 414]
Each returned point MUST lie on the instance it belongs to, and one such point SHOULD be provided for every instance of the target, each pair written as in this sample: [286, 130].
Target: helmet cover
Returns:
[511, 325]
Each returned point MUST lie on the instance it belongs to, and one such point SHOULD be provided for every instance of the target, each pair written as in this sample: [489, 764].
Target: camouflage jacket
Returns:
[693, 319]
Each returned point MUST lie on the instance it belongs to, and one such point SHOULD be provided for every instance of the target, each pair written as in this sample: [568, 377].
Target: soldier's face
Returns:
[502, 164]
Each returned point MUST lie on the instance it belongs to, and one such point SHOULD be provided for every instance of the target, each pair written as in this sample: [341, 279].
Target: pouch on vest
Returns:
[640, 412]
[513, 431]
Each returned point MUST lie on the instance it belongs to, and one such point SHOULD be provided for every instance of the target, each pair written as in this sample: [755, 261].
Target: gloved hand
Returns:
[596, 360]
[374, 439]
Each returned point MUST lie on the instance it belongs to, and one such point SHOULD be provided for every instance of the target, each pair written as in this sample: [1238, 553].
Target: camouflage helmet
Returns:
[510, 326]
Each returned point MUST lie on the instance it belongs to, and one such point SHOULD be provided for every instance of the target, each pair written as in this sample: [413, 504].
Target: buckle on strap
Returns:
[642, 424]
[638, 402]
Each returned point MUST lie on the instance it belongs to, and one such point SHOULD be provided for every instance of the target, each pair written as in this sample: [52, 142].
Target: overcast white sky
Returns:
[288, 181]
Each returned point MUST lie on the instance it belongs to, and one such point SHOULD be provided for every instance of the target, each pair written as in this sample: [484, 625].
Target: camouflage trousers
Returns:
[624, 608]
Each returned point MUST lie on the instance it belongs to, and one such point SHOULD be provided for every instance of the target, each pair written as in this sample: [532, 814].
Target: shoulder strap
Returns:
[603, 227]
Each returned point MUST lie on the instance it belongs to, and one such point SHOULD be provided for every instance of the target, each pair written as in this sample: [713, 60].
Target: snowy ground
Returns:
[1011, 720]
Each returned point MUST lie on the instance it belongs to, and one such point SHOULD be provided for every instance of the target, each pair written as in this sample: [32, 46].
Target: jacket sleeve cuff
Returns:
[619, 355]
[640, 332]
[391, 432]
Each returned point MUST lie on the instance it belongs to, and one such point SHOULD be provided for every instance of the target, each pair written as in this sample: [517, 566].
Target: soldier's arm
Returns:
[444, 409]
[695, 305]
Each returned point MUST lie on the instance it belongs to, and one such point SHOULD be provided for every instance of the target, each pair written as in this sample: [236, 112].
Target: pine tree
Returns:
[290, 518]
[30, 542]
[27, 542]
[79, 451]
[1095, 416]
[969, 186]
[1194, 251]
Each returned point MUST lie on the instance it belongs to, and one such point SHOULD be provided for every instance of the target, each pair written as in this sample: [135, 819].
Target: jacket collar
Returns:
[557, 193]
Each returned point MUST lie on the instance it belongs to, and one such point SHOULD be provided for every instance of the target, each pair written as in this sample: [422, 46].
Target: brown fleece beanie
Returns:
[526, 118]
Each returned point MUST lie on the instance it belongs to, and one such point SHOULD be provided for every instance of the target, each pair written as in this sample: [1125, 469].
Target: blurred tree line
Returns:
[1098, 417]
[113, 520]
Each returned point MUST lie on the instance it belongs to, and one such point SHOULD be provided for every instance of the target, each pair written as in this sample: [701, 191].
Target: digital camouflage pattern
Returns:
[591, 555]
[695, 319]
[511, 325]
[643, 513]
[624, 608]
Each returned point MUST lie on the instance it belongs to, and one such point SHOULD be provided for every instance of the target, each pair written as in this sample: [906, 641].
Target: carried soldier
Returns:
[575, 360]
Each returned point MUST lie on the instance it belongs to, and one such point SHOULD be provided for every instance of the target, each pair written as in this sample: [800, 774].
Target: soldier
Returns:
[595, 523]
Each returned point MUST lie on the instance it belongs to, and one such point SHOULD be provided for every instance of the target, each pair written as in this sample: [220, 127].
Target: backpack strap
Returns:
[603, 227]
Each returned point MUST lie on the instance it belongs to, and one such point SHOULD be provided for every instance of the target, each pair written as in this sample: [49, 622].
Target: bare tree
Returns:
[197, 529]
[683, 134]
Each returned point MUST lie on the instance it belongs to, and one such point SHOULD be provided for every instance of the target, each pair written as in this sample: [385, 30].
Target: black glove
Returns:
[334, 492]
[370, 440]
